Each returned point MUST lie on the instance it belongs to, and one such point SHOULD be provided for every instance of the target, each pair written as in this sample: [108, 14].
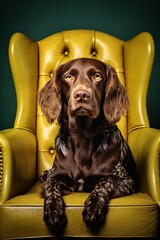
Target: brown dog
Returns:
[91, 155]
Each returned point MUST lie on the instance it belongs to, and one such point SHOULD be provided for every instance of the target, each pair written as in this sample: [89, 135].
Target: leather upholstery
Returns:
[28, 148]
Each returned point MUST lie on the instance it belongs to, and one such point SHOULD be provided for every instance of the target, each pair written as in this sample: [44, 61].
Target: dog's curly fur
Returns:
[91, 155]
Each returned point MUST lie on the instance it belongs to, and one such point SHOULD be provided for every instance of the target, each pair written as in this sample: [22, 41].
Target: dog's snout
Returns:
[82, 96]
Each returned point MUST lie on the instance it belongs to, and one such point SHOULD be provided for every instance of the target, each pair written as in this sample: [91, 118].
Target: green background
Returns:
[40, 18]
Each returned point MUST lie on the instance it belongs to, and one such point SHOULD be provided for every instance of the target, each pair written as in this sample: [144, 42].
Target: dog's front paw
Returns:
[95, 209]
[54, 214]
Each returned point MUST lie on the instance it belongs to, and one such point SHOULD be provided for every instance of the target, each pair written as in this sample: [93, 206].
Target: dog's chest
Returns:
[79, 157]
[85, 158]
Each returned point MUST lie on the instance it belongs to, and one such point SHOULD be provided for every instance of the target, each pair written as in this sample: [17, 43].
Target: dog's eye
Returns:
[97, 76]
[68, 77]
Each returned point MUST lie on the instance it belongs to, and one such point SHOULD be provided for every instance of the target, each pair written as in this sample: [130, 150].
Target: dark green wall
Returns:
[40, 18]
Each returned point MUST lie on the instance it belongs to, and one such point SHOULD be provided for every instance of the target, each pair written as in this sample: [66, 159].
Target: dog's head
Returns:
[88, 86]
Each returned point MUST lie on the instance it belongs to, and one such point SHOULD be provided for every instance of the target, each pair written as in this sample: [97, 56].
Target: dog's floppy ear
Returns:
[116, 101]
[50, 98]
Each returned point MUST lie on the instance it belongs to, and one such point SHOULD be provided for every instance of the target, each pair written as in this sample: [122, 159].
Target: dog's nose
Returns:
[82, 96]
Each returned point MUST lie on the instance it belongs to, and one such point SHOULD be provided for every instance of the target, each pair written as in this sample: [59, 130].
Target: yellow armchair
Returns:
[28, 148]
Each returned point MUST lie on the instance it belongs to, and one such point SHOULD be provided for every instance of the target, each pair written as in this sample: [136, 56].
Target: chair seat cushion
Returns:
[131, 216]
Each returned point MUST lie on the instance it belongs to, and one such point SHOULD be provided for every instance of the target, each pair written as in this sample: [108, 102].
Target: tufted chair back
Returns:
[40, 60]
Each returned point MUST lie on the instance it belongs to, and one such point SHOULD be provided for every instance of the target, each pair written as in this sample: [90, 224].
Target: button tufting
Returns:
[66, 53]
[51, 151]
[94, 53]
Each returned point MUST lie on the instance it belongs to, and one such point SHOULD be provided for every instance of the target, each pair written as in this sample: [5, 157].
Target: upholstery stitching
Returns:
[1, 169]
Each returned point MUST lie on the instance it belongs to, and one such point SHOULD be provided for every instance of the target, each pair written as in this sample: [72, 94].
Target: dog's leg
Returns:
[54, 206]
[96, 205]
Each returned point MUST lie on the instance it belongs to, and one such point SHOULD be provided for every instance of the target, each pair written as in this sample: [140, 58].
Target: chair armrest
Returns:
[18, 162]
[145, 146]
